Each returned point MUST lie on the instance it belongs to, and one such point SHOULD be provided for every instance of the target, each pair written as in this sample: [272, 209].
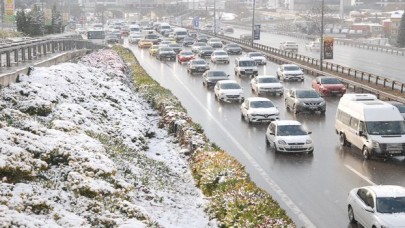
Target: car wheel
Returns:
[248, 119]
[366, 153]
[351, 215]
[281, 94]
[302, 79]
[242, 117]
[266, 140]
[275, 148]
[323, 112]
[278, 76]
[342, 140]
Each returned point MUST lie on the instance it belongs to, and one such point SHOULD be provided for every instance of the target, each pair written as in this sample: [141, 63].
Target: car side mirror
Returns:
[228, 75]
[309, 132]
[369, 209]
[361, 133]
[272, 133]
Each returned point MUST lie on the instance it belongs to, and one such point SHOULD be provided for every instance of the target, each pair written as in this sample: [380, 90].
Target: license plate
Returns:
[296, 147]
[395, 152]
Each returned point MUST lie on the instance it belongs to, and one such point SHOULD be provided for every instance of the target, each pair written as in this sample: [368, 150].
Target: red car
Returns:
[327, 85]
[185, 56]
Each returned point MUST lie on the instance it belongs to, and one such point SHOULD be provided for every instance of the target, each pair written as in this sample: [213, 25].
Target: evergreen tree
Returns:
[37, 25]
[57, 25]
[401, 33]
[22, 22]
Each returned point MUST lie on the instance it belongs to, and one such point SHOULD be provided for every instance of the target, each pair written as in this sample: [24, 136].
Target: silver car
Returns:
[299, 100]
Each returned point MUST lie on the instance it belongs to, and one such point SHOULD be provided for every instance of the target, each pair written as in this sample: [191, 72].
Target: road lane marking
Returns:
[284, 197]
[360, 175]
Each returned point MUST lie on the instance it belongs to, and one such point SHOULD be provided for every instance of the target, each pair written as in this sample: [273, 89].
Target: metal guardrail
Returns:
[387, 49]
[15, 52]
[310, 64]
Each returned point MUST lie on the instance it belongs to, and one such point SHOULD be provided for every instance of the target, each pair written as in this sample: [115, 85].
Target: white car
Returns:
[197, 45]
[290, 72]
[288, 136]
[220, 56]
[215, 43]
[228, 90]
[266, 84]
[289, 46]
[377, 206]
[313, 46]
[134, 38]
[258, 57]
[258, 109]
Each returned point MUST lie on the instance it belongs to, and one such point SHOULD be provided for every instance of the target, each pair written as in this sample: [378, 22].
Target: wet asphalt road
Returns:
[311, 188]
[370, 61]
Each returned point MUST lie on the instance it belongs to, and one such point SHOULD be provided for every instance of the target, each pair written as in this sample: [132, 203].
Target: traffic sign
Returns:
[196, 22]
[256, 32]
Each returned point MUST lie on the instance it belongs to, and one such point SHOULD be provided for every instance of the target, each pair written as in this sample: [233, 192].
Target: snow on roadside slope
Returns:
[79, 148]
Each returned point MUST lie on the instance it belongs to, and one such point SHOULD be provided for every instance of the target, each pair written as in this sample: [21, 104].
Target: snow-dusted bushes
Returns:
[234, 199]
[79, 148]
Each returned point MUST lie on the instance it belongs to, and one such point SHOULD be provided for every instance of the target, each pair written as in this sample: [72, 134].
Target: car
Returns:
[300, 100]
[228, 90]
[202, 38]
[258, 57]
[245, 66]
[400, 106]
[377, 206]
[211, 77]
[290, 72]
[233, 49]
[144, 43]
[176, 47]
[113, 39]
[152, 37]
[192, 33]
[246, 37]
[313, 46]
[197, 66]
[266, 84]
[185, 56]
[289, 46]
[215, 43]
[165, 42]
[205, 51]
[219, 56]
[258, 109]
[134, 38]
[228, 30]
[197, 45]
[166, 53]
[288, 136]
[188, 41]
[154, 49]
[328, 85]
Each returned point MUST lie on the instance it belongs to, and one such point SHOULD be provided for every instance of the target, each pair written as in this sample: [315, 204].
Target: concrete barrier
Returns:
[12, 77]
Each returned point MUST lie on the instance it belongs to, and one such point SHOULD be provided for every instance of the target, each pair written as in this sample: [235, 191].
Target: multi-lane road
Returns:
[378, 63]
[311, 188]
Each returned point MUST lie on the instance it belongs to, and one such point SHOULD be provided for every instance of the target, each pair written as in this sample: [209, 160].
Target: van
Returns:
[164, 27]
[373, 126]
[179, 33]
[245, 66]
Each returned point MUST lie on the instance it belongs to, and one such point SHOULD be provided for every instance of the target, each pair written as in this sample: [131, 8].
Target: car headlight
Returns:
[308, 141]
[193, 67]
[322, 103]
[281, 142]
[375, 144]
[222, 94]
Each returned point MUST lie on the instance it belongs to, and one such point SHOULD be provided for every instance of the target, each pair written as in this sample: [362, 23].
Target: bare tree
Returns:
[312, 19]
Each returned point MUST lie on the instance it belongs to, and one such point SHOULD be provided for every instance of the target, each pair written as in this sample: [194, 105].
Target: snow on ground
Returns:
[79, 148]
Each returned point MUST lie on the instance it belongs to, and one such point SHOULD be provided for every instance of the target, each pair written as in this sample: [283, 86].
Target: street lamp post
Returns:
[215, 20]
[253, 21]
[322, 48]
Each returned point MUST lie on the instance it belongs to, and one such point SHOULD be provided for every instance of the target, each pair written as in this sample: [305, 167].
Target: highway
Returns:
[311, 188]
[379, 63]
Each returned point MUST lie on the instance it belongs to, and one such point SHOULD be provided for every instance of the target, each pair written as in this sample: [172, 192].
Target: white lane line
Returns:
[284, 197]
[360, 175]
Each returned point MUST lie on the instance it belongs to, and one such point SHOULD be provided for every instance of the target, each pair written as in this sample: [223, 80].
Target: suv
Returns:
[290, 72]
[197, 65]
[298, 100]
[228, 90]
[289, 136]
[245, 66]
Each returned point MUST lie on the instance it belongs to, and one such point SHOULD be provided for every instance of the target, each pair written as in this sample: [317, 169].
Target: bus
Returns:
[96, 36]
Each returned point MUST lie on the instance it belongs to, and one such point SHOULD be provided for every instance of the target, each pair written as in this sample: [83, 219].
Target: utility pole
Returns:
[253, 21]
[215, 20]
[322, 47]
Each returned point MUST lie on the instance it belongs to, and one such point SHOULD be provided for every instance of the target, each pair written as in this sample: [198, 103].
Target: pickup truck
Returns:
[289, 46]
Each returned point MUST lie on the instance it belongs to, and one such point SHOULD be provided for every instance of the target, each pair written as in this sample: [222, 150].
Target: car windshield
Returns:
[200, 44]
[215, 40]
[261, 104]
[385, 127]
[255, 54]
[186, 53]
[233, 46]
[174, 45]
[390, 205]
[401, 107]
[286, 130]
[307, 94]
[206, 48]
[330, 81]
[199, 62]
[247, 63]
[220, 53]
[291, 68]
[165, 49]
[230, 86]
[216, 74]
[267, 80]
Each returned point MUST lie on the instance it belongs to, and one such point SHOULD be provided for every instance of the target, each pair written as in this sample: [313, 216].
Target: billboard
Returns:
[328, 48]
[9, 7]
[256, 32]
[196, 22]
